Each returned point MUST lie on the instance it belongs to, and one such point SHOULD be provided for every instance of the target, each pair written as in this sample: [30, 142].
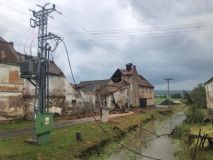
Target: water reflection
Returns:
[148, 144]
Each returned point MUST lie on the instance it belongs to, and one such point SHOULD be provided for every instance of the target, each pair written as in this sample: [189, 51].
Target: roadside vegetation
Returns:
[196, 113]
[95, 143]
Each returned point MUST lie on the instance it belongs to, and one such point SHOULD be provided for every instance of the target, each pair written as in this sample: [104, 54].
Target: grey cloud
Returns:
[187, 57]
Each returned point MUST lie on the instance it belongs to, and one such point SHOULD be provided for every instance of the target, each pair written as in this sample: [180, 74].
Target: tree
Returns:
[198, 96]
[195, 112]
[176, 96]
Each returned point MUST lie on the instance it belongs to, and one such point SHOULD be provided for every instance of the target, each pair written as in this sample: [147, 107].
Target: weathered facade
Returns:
[209, 94]
[17, 95]
[141, 91]
[88, 90]
[126, 88]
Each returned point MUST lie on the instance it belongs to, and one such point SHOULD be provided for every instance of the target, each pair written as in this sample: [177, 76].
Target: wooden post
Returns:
[78, 136]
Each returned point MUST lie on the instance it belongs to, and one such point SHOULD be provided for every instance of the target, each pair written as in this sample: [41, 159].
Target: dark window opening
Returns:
[74, 102]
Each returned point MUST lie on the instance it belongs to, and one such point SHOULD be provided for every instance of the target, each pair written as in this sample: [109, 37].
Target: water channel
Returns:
[148, 144]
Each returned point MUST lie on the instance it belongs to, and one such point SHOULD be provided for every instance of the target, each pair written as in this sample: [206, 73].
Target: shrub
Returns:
[194, 114]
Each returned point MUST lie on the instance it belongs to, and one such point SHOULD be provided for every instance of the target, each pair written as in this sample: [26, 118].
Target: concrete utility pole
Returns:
[168, 94]
[36, 70]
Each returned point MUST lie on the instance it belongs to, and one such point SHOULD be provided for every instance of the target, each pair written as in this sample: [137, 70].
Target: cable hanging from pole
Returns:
[93, 116]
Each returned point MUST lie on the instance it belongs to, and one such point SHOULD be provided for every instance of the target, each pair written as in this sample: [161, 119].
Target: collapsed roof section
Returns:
[129, 71]
[90, 86]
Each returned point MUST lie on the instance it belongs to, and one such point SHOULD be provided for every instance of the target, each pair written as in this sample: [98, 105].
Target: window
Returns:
[74, 102]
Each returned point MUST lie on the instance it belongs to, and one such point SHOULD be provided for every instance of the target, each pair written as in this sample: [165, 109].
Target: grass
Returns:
[185, 150]
[15, 125]
[159, 100]
[205, 129]
[65, 147]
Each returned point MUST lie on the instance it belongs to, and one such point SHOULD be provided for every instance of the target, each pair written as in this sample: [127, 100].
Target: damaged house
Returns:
[89, 91]
[140, 91]
[17, 95]
[125, 88]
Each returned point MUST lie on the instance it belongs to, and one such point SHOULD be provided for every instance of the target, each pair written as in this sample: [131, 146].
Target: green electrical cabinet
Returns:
[43, 126]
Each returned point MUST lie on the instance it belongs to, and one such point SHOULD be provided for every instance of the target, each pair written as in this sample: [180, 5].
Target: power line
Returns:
[27, 40]
[141, 30]
[145, 35]
[34, 36]
[129, 37]
[158, 31]
[171, 27]
[140, 33]
[85, 104]
[134, 33]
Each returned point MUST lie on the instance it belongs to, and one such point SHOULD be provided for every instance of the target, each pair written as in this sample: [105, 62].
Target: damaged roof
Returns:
[143, 82]
[126, 72]
[116, 77]
[210, 80]
[9, 55]
[89, 86]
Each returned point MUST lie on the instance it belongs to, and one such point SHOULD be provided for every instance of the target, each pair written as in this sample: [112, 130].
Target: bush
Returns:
[176, 96]
[195, 114]
[181, 132]
[198, 96]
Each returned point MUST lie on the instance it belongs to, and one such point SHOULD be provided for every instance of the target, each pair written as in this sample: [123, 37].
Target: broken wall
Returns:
[17, 95]
[121, 98]
[11, 87]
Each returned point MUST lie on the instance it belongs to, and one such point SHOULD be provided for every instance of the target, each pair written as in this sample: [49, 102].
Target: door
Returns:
[143, 102]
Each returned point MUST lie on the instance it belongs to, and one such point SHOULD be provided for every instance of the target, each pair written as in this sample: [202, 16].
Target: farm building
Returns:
[17, 95]
[209, 94]
[141, 91]
[125, 88]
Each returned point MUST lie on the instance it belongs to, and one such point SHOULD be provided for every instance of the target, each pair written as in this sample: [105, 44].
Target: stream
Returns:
[148, 144]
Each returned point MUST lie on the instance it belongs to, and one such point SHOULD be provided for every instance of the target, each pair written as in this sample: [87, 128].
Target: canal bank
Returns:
[186, 147]
[149, 138]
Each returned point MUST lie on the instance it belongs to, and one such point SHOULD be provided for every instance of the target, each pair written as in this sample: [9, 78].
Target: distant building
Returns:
[209, 94]
[17, 95]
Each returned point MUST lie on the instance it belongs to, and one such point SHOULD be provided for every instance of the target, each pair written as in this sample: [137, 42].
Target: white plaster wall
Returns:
[12, 102]
[150, 102]
[10, 91]
[121, 97]
[70, 93]
[5, 70]
[209, 95]
[57, 85]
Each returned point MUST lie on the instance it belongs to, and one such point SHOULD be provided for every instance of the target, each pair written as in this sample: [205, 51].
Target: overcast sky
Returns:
[185, 56]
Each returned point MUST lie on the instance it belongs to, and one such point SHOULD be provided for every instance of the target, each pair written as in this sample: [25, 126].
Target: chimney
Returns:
[129, 66]
[11, 43]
